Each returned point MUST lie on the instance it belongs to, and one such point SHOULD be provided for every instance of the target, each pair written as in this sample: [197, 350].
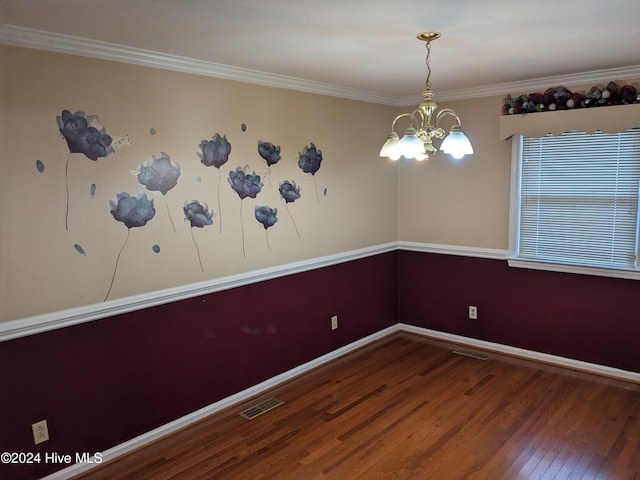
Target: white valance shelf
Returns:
[611, 119]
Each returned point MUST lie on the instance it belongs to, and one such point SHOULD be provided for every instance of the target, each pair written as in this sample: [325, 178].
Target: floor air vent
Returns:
[468, 353]
[262, 407]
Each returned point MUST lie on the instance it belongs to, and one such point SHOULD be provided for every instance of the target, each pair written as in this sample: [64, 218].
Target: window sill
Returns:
[577, 269]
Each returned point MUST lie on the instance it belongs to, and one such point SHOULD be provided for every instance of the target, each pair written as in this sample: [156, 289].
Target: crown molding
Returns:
[61, 43]
[527, 86]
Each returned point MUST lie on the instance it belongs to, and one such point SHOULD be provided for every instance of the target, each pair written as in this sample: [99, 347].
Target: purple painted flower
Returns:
[289, 191]
[310, 159]
[198, 214]
[245, 185]
[83, 138]
[159, 174]
[84, 134]
[215, 152]
[132, 211]
[269, 151]
[267, 216]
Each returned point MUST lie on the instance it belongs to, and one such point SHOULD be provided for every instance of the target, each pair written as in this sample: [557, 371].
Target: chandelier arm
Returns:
[393, 124]
[411, 117]
[448, 112]
[415, 113]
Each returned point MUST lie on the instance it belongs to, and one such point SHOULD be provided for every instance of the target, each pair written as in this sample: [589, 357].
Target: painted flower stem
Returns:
[169, 213]
[219, 209]
[294, 222]
[66, 176]
[199, 216]
[116, 266]
[242, 231]
[316, 187]
[197, 250]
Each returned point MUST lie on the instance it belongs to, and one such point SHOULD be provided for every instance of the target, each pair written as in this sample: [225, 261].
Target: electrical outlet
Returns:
[473, 312]
[334, 322]
[40, 432]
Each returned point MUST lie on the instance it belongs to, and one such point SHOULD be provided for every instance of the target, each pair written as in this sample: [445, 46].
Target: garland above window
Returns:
[560, 98]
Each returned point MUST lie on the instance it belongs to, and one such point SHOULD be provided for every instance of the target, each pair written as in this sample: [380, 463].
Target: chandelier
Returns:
[417, 141]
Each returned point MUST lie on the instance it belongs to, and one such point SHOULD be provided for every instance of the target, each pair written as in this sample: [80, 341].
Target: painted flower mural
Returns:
[268, 217]
[199, 216]
[270, 153]
[159, 175]
[215, 153]
[82, 137]
[245, 185]
[84, 134]
[133, 211]
[290, 192]
[309, 160]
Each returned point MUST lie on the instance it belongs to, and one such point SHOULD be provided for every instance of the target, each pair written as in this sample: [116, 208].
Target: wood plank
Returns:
[406, 407]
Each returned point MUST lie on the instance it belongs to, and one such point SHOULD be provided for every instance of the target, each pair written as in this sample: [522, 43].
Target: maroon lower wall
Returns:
[104, 382]
[588, 318]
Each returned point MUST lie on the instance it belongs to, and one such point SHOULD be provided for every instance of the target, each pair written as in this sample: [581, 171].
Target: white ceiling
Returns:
[367, 45]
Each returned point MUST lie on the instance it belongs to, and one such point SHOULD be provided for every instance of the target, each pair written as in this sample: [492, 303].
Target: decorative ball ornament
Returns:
[560, 98]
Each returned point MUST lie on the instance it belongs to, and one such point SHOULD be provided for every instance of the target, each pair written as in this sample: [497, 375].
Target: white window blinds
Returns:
[579, 199]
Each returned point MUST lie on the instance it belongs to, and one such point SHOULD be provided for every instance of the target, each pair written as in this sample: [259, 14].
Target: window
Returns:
[575, 202]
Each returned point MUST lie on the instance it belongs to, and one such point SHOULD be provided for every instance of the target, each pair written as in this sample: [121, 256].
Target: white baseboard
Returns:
[525, 354]
[191, 418]
[204, 412]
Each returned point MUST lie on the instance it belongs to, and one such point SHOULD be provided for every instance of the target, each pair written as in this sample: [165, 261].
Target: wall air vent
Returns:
[263, 407]
[468, 353]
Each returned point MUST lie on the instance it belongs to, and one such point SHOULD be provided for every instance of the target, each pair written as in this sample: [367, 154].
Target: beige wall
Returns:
[41, 270]
[460, 202]
[369, 201]
[466, 202]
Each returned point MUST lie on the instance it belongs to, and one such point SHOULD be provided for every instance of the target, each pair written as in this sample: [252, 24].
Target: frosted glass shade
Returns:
[410, 146]
[390, 147]
[456, 144]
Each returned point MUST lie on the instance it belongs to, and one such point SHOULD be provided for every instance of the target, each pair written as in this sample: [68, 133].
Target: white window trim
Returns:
[514, 212]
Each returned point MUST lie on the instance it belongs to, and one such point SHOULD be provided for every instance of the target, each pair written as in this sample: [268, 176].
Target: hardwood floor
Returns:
[406, 407]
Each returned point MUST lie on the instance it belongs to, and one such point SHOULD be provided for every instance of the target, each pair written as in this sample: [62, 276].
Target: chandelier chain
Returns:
[417, 141]
[427, 84]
